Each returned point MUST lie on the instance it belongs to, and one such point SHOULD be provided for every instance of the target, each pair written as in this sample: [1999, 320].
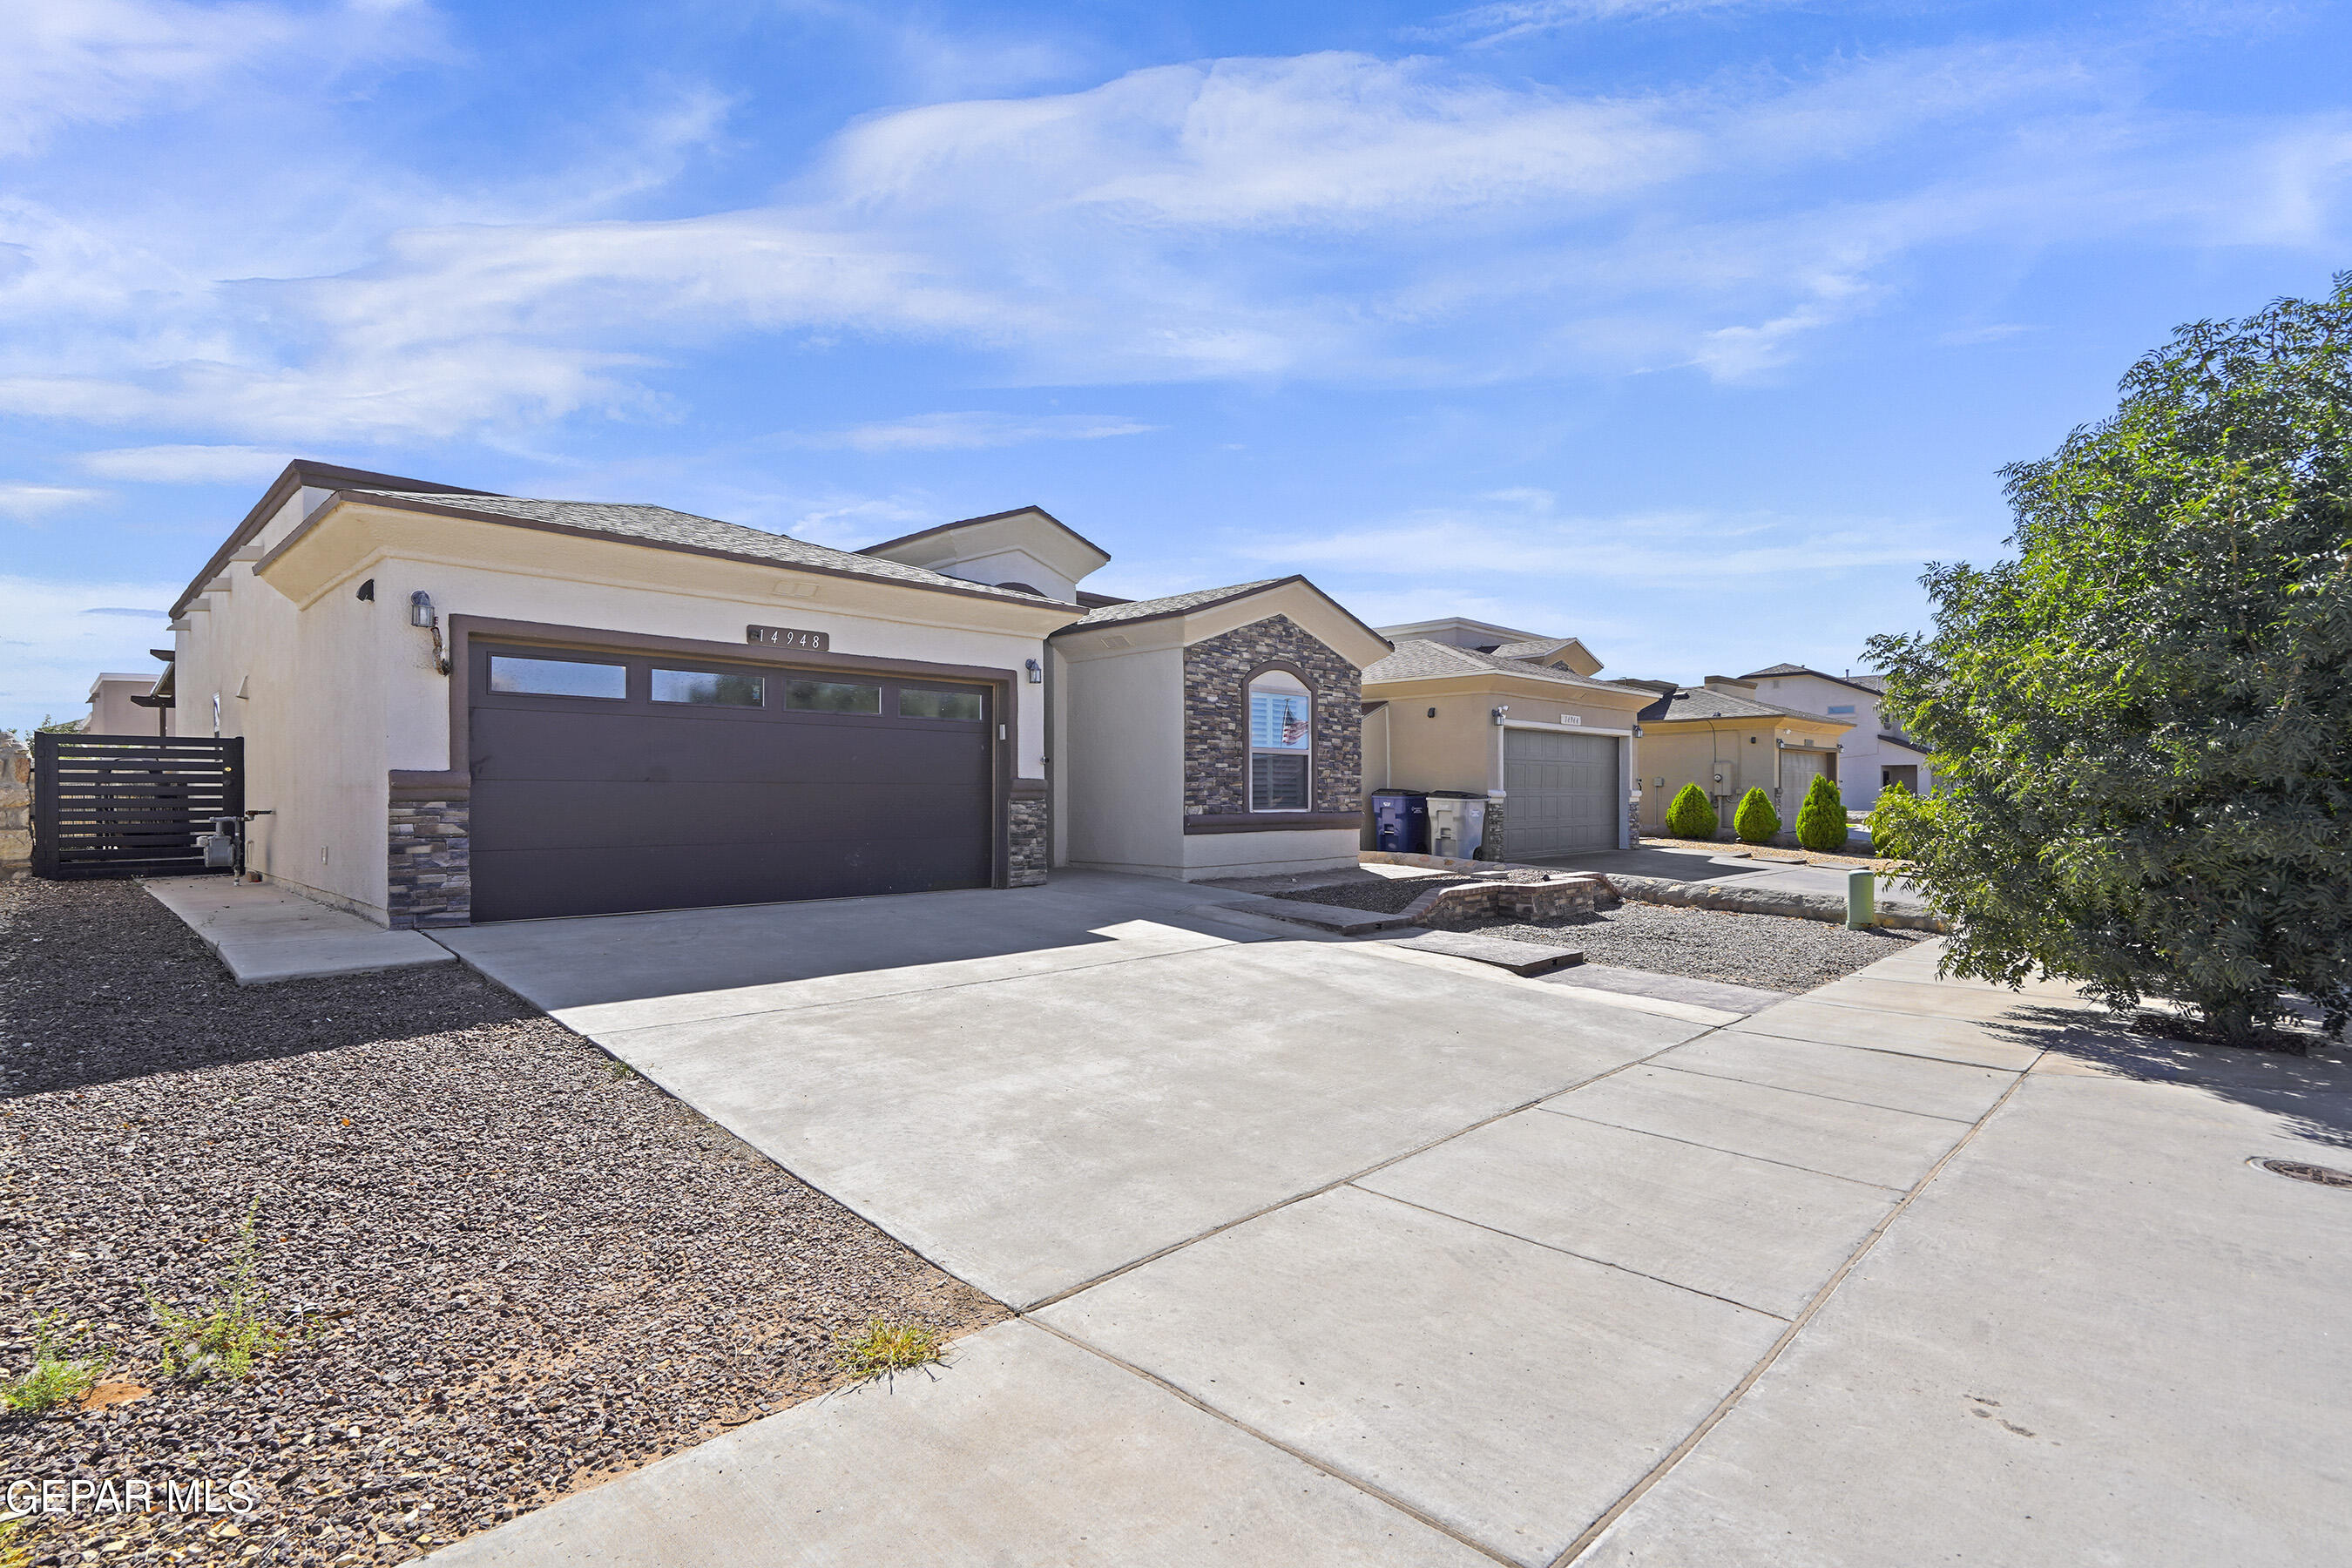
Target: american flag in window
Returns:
[1280, 721]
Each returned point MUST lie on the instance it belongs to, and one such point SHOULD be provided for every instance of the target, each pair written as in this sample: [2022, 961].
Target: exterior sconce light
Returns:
[1502, 711]
[367, 591]
[421, 614]
[1037, 671]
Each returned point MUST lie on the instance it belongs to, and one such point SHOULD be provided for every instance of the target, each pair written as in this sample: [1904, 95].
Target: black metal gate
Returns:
[130, 805]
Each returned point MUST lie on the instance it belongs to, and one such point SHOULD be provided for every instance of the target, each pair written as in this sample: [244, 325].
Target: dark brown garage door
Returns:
[608, 783]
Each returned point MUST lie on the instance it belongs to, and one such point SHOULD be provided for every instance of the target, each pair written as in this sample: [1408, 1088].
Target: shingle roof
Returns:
[1863, 682]
[1172, 605]
[660, 525]
[1707, 702]
[1417, 658]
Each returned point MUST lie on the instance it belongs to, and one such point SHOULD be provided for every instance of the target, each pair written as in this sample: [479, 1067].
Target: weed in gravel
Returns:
[13, 1553]
[883, 1348]
[55, 1378]
[221, 1340]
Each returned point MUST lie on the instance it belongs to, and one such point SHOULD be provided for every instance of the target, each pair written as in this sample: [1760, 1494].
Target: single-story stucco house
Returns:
[1513, 717]
[1877, 753]
[1721, 737]
[459, 706]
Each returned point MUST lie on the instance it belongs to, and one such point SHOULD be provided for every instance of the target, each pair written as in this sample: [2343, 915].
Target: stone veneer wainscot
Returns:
[1026, 861]
[429, 865]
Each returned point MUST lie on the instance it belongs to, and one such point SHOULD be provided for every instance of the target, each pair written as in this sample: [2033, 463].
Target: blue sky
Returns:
[1691, 329]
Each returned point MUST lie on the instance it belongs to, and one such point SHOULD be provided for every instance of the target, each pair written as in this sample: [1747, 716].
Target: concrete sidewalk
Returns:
[1843, 1282]
[265, 934]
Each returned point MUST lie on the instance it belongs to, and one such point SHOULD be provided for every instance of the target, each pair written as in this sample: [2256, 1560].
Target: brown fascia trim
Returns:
[542, 526]
[1808, 670]
[168, 655]
[1090, 600]
[991, 517]
[1269, 821]
[1372, 708]
[457, 778]
[298, 474]
[1233, 598]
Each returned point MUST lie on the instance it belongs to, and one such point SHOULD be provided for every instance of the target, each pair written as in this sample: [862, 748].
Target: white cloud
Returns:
[186, 465]
[27, 503]
[100, 61]
[1521, 535]
[970, 432]
[52, 646]
[1515, 19]
[1333, 217]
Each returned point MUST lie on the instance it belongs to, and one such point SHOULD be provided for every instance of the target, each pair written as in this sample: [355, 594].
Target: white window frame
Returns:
[1285, 683]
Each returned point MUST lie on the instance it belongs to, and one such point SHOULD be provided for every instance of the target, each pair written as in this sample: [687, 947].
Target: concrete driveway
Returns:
[1036, 1089]
[1331, 1253]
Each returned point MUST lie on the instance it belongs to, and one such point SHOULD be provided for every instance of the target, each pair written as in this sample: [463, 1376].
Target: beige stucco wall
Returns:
[1692, 752]
[339, 691]
[1120, 770]
[112, 711]
[1461, 748]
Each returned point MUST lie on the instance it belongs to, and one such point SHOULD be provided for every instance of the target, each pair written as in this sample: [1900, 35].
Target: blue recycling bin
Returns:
[1401, 821]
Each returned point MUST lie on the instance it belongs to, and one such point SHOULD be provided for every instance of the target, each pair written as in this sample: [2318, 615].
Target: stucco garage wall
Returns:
[344, 692]
[312, 717]
[1124, 786]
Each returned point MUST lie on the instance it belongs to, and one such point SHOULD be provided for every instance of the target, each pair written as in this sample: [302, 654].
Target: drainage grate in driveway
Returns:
[2324, 1175]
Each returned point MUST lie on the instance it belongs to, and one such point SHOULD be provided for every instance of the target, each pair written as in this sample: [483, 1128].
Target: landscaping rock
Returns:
[514, 1268]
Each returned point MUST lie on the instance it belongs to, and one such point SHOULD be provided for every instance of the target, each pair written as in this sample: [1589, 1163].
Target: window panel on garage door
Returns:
[1563, 792]
[706, 785]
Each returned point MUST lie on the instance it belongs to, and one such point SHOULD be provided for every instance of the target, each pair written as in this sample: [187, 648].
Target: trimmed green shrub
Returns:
[1893, 820]
[1754, 820]
[1820, 821]
[1692, 814]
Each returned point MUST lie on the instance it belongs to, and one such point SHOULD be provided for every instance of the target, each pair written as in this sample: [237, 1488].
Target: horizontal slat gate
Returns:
[130, 805]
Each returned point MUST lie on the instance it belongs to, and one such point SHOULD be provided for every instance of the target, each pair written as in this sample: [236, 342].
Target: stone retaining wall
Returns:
[1483, 903]
[15, 811]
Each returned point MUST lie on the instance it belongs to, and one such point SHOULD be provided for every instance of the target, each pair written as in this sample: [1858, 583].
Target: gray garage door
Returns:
[1564, 793]
[1798, 769]
[605, 783]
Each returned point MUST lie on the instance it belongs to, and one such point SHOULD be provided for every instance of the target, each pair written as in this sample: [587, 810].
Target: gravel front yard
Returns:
[1770, 953]
[518, 1270]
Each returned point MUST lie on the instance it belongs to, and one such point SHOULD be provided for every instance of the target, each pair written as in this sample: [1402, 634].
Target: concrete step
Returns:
[1323, 917]
[1519, 957]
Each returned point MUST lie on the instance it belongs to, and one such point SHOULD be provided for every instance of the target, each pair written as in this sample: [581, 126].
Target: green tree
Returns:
[1821, 818]
[53, 726]
[1754, 820]
[1691, 815]
[2142, 726]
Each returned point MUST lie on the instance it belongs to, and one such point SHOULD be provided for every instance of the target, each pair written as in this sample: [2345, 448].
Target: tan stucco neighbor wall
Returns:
[1744, 751]
[1461, 748]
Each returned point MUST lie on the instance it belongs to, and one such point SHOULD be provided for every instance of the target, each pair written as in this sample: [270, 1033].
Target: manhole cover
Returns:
[2303, 1173]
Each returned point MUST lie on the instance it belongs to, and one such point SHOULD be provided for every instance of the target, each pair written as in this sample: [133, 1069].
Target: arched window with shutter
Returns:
[1282, 741]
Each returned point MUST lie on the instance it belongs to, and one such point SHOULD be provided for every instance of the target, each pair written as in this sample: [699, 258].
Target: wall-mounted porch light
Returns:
[1502, 712]
[1037, 671]
[421, 612]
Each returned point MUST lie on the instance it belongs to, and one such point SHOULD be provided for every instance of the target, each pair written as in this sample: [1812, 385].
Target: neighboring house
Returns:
[463, 706]
[1877, 753]
[1216, 734]
[1723, 738]
[1552, 749]
[114, 708]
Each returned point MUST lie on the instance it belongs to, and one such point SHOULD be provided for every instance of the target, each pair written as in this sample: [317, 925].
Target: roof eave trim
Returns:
[296, 475]
[362, 497]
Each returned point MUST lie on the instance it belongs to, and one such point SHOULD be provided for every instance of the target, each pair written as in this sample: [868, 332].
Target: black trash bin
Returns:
[1401, 821]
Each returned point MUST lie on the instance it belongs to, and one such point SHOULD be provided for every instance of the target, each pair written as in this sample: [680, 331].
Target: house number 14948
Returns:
[788, 637]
